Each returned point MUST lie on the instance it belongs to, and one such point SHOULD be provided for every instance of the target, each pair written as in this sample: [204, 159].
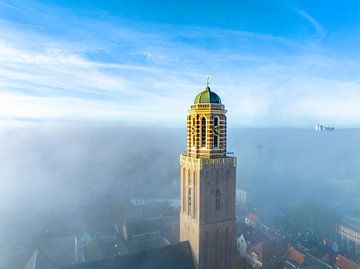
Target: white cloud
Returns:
[337, 108]
[317, 26]
[152, 77]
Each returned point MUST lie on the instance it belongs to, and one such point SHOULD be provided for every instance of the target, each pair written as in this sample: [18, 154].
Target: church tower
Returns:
[208, 182]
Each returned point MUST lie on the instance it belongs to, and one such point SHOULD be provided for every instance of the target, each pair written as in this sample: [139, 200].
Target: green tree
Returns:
[307, 217]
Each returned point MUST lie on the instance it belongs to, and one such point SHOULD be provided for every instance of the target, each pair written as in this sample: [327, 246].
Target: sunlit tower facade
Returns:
[208, 183]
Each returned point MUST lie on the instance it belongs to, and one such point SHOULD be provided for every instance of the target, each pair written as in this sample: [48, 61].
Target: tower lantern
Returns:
[206, 126]
[208, 182]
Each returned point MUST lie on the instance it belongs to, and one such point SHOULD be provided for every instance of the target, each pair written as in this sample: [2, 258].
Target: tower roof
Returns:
[207, 96]
[176, 256]
[40, 260]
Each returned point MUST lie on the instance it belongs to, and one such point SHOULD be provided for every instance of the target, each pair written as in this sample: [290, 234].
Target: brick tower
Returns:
[208, 182]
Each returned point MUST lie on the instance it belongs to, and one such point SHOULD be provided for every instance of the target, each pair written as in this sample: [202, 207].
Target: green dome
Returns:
[207, 96]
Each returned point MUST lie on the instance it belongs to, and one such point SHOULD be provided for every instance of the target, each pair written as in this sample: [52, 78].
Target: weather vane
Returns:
[208, 77]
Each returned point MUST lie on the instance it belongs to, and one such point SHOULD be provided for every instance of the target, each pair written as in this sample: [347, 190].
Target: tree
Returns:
[307, 218]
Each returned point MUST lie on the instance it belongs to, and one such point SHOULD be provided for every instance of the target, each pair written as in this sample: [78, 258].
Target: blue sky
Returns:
[274, 63]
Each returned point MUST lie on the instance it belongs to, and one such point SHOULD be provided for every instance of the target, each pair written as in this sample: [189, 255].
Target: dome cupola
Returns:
[207, 96]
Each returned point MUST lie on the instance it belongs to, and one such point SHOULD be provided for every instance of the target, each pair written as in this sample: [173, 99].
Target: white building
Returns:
[241, 197]
[251, 220]
[241, 246]
[320, 128]
[174, 203]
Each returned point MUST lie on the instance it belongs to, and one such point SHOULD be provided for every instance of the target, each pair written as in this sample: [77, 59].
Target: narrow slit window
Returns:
[193, 130]
[184, 190]
[216, 132]
[203, 132]
[189, 195]
[217, 199]
[195, 196]
[189, 201]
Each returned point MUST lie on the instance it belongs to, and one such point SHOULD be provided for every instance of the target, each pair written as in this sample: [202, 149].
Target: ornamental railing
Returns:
[208, 106]
[200, 162]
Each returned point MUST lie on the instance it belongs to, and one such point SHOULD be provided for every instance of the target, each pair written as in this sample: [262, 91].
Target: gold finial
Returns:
[208, 77]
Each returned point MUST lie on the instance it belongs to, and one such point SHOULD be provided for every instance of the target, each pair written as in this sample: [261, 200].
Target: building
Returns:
[208, 184]
[251, 220]
[241, 197]
[80, 246]
[61, 250]
[157, 208]
[348, 235]
[143, 234]
[40, 260]
[241, 246]
[247, 237]
[268, 254]
[176, 256]
[174, 203]
[294, 259]
[344, 263]
[320, 128]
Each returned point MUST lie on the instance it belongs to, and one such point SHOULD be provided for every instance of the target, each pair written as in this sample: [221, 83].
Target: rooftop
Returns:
[295, 256]
[207, 96]
[40, 260]
[177, 256]
[344, 263]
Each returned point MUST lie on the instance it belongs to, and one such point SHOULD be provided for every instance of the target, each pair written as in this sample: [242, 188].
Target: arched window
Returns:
[217, 199]
[195, 204]
[193, 131]
[216, 132]
[184, 190]
[203, 132]
[189, 194]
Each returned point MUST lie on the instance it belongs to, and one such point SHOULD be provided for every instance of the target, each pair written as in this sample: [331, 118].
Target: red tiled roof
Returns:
[344, 263]
[268, 250]
[327, 242]
[258, 250]
[295, 256]
[252, 216]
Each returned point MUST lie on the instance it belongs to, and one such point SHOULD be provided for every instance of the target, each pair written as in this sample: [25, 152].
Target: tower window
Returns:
[203, 132]
[193, 131]
[189, 195]
[195, 204]
[217, 199]
[189, 201]
[216, 130]
[184, 189]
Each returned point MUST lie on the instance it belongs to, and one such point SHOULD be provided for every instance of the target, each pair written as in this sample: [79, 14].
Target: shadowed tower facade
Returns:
[208, 182]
